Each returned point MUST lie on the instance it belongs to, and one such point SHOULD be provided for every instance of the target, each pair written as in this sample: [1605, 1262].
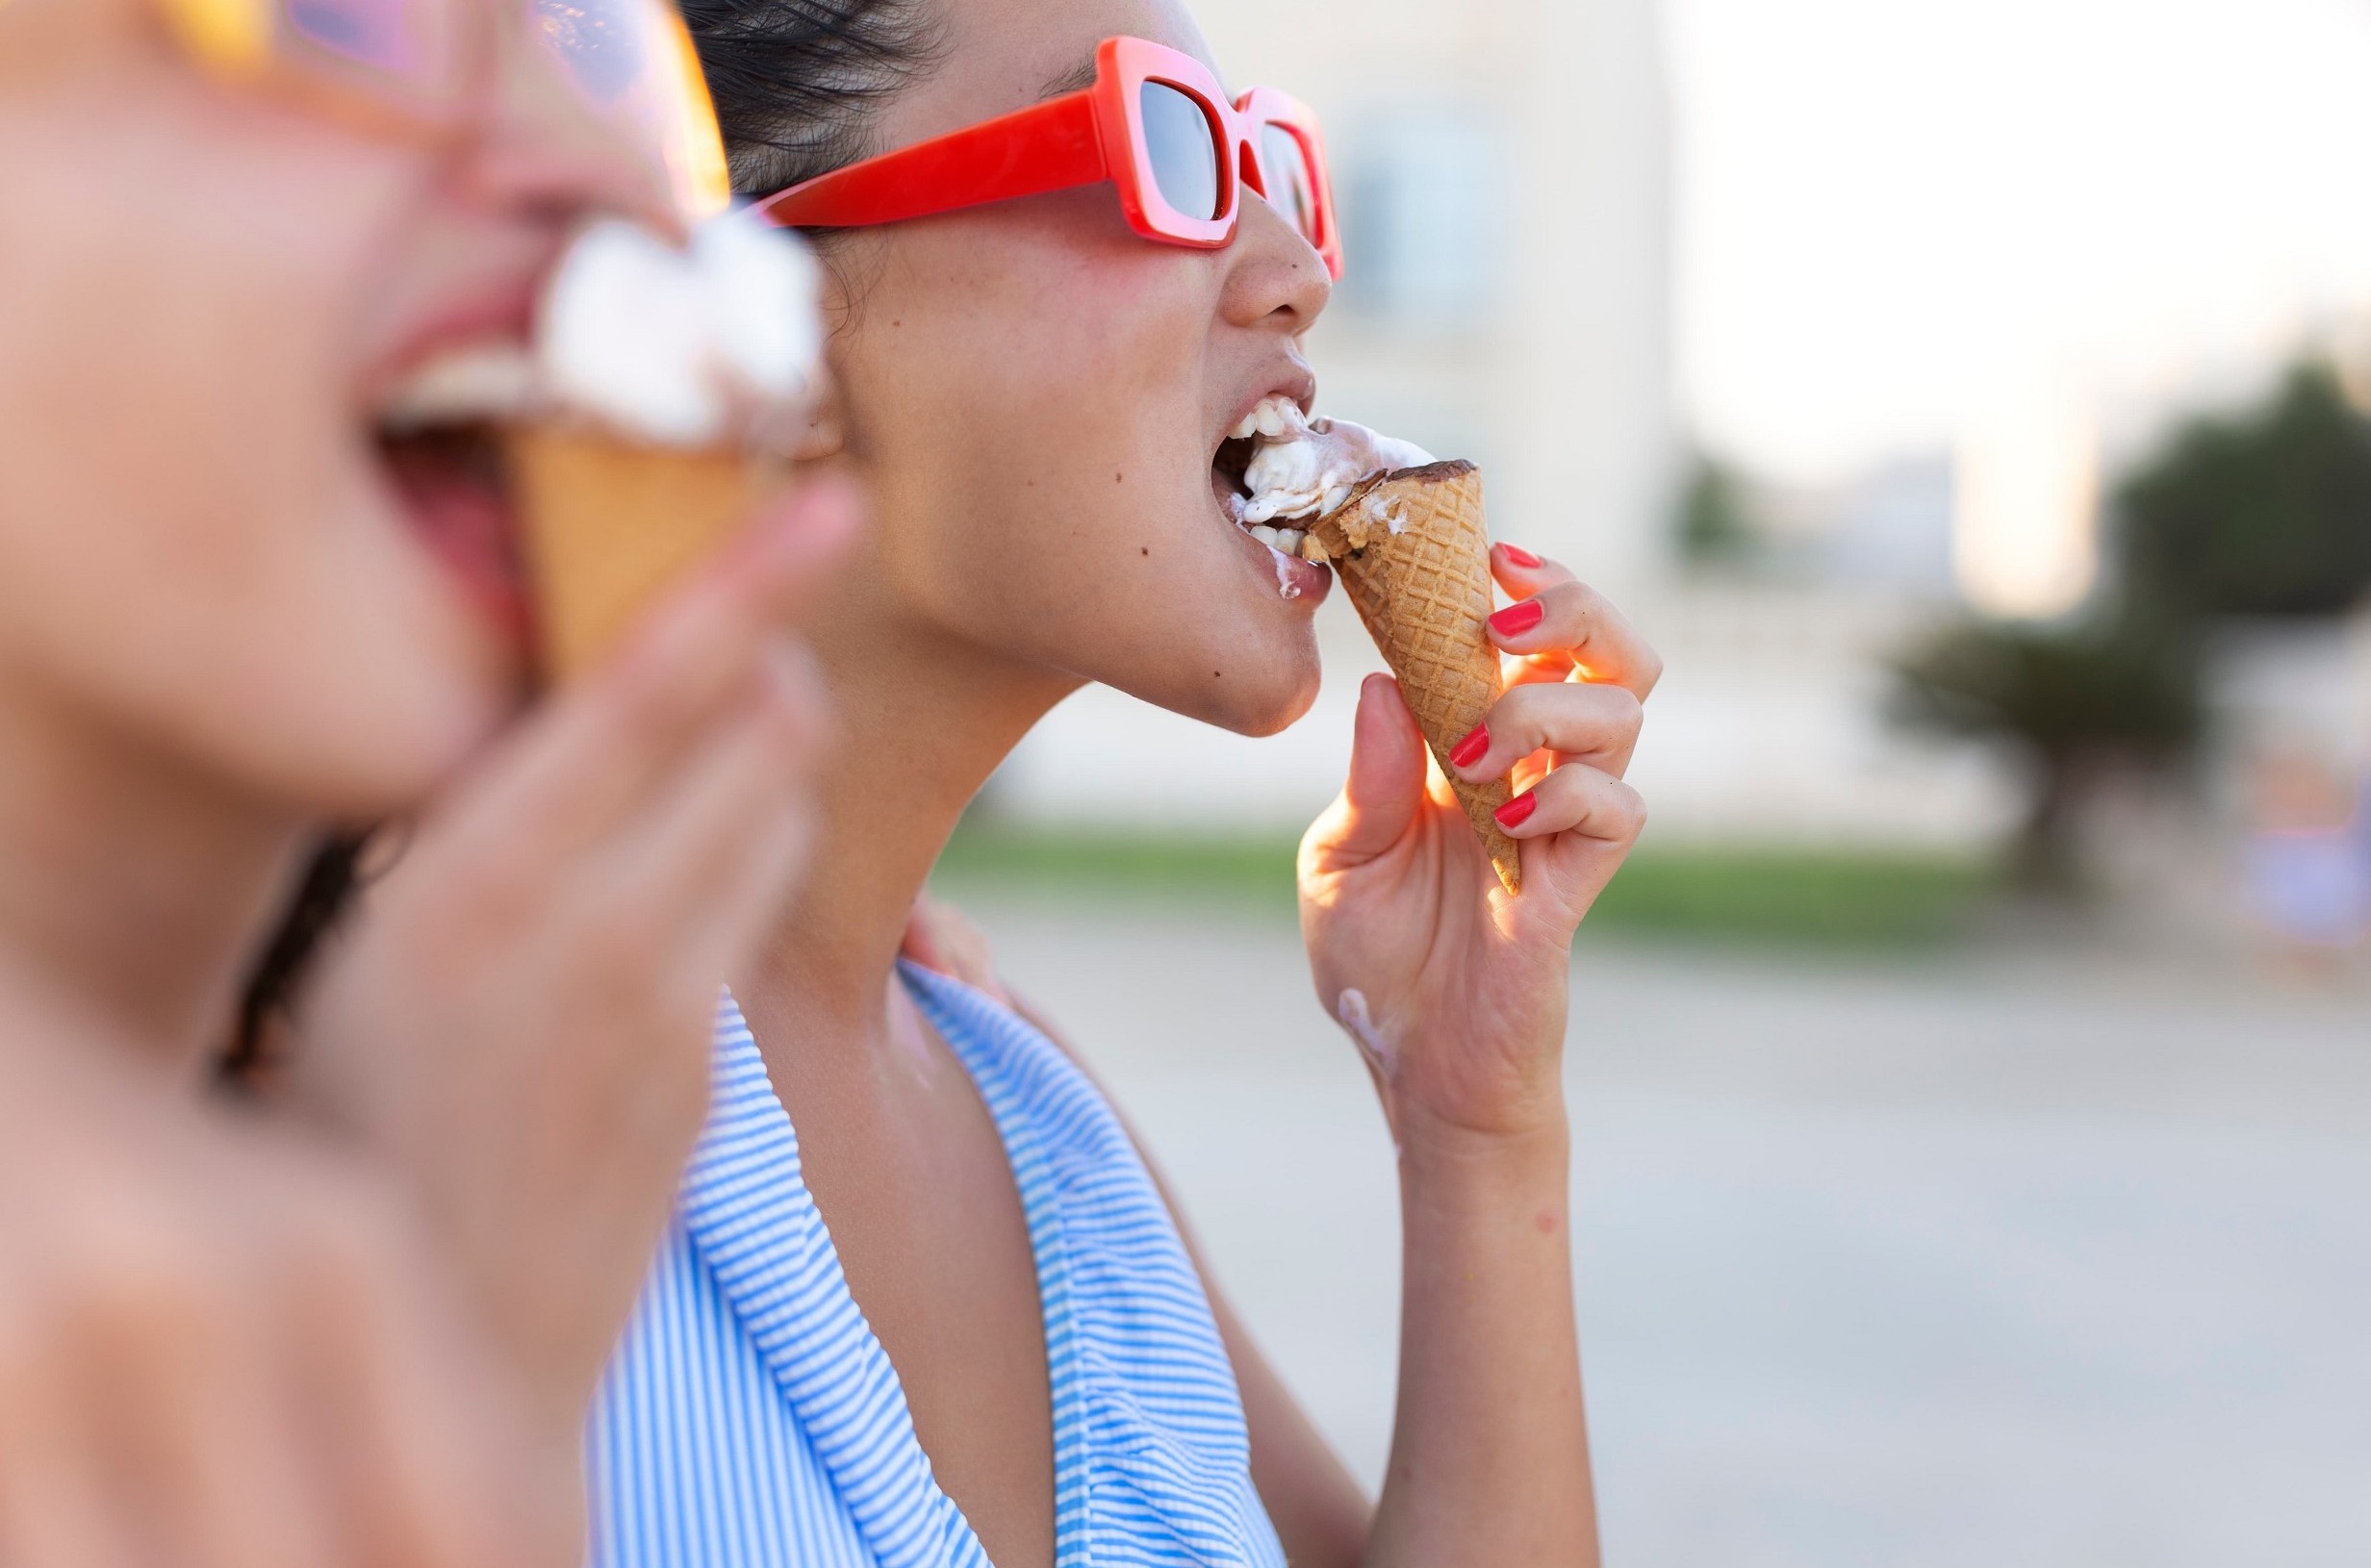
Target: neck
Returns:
[922, 724]
[132, 887]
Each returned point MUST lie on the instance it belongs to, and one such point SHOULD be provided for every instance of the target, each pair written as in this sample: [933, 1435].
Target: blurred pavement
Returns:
[1992, 1260]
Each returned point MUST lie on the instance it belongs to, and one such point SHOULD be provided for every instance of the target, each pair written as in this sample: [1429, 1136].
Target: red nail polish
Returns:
[1517, 811]
[1468, 751]
[1521, 556]
[1517, 618]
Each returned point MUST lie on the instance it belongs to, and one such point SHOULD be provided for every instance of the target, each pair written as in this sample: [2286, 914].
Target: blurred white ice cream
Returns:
[697, 347]
[712, 345]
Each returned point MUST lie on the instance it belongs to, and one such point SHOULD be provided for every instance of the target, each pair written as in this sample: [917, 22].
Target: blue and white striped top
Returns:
[751, 1420]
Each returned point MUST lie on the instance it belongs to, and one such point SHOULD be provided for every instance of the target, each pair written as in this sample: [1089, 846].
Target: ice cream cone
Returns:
[610, 522]
[1412, 551]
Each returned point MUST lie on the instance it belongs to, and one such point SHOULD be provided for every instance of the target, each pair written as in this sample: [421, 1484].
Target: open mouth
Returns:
[438, 435]
[1231, 465]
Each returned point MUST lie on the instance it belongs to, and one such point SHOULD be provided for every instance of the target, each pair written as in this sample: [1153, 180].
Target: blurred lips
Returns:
[435, 426]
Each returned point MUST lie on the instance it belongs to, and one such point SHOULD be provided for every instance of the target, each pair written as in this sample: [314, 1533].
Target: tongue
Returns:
[459, 511]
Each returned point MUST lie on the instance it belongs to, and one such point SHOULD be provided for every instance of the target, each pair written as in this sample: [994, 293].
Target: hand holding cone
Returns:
[1412, 552]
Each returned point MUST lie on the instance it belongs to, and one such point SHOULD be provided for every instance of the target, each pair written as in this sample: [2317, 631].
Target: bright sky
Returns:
[2001, 225]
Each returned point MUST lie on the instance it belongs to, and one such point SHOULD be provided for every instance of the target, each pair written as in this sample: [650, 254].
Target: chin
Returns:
[1256, 697]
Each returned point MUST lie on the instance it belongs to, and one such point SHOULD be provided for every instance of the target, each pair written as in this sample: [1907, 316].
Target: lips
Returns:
[1295, 578]
[456, 499]
[436, 431]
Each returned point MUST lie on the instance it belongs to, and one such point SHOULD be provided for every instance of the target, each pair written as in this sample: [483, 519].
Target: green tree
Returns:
[2264, 513]
[2075, 703]
[1714, 519]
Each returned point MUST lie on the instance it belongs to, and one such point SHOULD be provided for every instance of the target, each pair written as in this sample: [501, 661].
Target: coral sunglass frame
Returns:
[1094, 135]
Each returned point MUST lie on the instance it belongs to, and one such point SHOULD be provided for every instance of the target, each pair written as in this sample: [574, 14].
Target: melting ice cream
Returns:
[1299, 468]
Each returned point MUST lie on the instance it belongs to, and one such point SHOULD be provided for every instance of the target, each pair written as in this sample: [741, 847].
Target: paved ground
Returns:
[2002, 1261]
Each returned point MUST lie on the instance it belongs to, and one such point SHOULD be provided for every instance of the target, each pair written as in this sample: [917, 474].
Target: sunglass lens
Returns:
[603, 43]
[1293, 190]
[411, 44]
[634, 64]
[1183, 149]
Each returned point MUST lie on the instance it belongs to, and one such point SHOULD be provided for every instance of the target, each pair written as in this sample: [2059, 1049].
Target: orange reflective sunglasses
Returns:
[422, 66]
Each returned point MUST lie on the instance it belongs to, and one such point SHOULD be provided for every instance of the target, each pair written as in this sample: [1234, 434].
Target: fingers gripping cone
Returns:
[1414, 554]
[610, 522]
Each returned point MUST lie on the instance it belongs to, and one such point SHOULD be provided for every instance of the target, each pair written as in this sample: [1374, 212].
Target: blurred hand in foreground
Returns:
[219, 1346]
[1454, 989]
[519, 1018]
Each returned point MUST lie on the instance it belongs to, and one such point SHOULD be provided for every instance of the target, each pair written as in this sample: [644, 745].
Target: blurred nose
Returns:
[546, 148]
[1276, 276]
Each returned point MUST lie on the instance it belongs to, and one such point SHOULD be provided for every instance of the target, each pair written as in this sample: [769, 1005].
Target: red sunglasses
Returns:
[1155, 124]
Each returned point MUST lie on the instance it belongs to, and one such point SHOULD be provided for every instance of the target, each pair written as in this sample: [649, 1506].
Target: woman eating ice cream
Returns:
[250, 594]
[925, 1305]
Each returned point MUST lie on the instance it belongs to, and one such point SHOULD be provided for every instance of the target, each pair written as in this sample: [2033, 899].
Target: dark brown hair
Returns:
[797, 81]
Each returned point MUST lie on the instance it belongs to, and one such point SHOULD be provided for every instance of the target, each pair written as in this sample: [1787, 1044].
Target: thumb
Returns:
[1385, 787]
[794, 550]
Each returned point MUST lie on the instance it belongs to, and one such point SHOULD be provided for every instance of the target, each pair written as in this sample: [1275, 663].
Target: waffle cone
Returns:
[1412, 551]
[609, 524]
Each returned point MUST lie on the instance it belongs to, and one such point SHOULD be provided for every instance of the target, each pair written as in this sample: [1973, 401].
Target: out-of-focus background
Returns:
[1971, 398]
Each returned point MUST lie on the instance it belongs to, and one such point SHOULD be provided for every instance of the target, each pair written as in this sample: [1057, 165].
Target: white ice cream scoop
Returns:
[713, 345]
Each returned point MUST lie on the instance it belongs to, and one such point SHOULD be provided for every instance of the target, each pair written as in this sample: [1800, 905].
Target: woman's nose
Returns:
[1277, 273]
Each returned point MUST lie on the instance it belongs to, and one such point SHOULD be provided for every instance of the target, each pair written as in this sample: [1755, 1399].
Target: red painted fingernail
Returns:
[1517, 811]
[1468, 751]
[1521, 556]
[1517, 618]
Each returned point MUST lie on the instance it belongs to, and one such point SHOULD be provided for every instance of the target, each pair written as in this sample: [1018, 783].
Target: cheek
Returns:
[1014, 395]
[179, 416]
[1033, 405]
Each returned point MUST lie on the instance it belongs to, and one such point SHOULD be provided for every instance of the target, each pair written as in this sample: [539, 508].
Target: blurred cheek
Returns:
[192, 530]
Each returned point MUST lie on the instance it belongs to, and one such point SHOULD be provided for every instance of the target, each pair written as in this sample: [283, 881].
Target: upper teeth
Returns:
[1275, 416]
[477, 381]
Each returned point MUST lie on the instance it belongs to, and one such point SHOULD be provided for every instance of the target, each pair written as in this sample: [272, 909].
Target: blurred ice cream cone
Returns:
[610, 522]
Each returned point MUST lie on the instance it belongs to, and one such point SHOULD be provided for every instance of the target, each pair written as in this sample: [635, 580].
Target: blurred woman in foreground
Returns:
[235, 613]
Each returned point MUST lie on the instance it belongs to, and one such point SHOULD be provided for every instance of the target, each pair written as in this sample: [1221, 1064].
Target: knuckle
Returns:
[144, 1302]
[1514, 718]
[1626, 810]
[1629, 714]
[1576, 602]
[1650, 670]
[618, 943]
[343, 1242]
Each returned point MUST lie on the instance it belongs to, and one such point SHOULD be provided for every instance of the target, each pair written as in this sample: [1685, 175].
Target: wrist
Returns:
[1524, 1155]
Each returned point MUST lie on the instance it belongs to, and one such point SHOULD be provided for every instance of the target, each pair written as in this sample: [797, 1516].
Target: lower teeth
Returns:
[1287, 539]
